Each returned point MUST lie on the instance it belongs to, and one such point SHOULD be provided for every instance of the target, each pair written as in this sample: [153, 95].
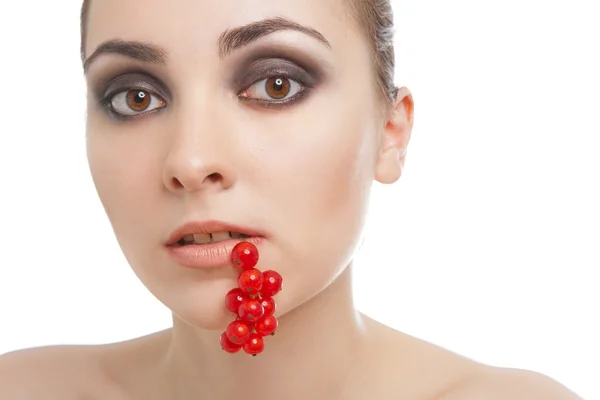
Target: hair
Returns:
[374, 17]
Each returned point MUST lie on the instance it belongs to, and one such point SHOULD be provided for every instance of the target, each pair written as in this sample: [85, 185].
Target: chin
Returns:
[200, 304]
[202, 312]
[197, 297]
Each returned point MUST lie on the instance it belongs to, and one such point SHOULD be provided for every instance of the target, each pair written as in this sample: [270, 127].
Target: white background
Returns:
[489, 245]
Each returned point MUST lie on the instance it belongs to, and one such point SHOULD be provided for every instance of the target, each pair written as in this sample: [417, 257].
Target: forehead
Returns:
[197, 24]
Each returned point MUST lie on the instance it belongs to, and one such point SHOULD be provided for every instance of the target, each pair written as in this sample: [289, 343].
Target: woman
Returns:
[267, 119]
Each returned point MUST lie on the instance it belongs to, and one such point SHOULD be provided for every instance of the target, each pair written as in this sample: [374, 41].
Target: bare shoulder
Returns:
[420, 369]
[413, 368]
[54, 372]
[494, 383]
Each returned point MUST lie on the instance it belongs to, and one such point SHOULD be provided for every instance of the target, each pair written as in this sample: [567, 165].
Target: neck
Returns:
[323, 337]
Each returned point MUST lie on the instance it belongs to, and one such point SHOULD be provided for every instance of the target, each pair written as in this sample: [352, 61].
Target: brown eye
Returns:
[277, 87]
[135, 102]
[138, 100]
[273, 89]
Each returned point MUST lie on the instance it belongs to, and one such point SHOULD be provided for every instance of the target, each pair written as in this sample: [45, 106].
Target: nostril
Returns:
[214, 177]
[194, 183]
[176, 183]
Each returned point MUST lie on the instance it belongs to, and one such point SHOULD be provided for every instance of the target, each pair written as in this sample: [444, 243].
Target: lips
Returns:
[202, 256]
[208, 227]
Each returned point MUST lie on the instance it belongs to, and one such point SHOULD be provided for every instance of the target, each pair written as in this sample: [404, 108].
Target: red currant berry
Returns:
[251, 311]
[268, 304]
[244, 255]
[266, 325]
[234, 298]
[228, 346]
[250, 281]
[254, 345]
[238, 332]
[271, 283]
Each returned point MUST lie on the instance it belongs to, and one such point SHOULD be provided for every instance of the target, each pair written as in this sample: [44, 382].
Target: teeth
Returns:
[220, 236]
[201, 238]
[205, 238]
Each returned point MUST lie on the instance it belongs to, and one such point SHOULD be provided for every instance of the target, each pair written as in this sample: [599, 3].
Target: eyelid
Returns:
[138, 85]
[318, 68]
[135, 80]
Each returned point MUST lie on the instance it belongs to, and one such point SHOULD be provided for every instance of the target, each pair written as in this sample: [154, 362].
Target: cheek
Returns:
[122, 172]
[319, 179]
[322, 164]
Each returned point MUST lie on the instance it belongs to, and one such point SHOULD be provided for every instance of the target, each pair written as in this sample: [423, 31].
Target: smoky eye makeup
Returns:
[274, 61]
[129, 81]
[114, 96]
[257, 76]
[271, 68]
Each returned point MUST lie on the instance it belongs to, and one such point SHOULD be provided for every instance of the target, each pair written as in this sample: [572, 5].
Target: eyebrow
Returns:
[229, 41]
[145, 52]
[233, 39]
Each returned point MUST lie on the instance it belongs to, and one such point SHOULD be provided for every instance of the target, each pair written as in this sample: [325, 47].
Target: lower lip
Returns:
[208, 255]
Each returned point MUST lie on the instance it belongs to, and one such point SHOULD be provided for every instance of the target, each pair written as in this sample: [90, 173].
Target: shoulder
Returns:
[436, 373]
[492, 383]
[53, 372]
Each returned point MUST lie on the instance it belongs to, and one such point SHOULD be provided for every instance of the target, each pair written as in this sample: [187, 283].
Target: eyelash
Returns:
[303, 91]
[106, 102]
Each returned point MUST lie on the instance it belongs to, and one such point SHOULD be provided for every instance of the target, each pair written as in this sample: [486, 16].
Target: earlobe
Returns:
[397, 131]
[389, 166]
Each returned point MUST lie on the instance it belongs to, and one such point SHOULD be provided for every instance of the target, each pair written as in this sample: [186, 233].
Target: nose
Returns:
[198, 159]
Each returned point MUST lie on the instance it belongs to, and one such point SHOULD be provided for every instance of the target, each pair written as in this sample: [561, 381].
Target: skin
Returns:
[302, 173]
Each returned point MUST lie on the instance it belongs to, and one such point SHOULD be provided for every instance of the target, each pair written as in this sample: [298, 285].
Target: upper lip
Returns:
[210, 226]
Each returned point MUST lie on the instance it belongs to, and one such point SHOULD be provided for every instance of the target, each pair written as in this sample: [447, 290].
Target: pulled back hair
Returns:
[374, 17]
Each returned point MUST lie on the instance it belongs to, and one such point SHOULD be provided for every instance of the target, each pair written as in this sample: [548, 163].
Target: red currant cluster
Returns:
[252, 302]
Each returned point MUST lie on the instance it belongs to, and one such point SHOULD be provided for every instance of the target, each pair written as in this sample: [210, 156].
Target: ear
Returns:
[397, 130]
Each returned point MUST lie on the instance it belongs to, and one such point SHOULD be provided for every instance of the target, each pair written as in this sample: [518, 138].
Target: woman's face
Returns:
[281, 134]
